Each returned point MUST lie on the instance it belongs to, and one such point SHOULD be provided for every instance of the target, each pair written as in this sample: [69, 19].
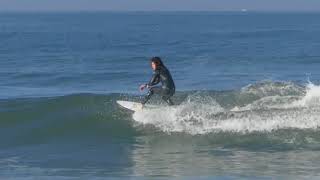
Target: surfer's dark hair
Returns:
[157, 61]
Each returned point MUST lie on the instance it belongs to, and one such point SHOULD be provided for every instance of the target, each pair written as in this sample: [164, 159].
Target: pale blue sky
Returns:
[170, 5]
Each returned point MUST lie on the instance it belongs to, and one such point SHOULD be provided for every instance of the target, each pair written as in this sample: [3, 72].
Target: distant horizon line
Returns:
[149, 11]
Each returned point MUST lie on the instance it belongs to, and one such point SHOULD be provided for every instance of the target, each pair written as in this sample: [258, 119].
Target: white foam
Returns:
[190, 116]
[266, 114]
[270, 102]
[312, 96]
[269, 88]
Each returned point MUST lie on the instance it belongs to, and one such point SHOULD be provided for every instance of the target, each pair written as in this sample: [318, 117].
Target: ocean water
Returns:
[248, 95]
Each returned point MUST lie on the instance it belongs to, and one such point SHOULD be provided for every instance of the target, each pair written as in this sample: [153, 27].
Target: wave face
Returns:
[77, 117]
[263, 113]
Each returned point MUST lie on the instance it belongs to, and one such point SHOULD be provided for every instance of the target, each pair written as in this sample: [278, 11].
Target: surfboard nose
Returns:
[133, 106]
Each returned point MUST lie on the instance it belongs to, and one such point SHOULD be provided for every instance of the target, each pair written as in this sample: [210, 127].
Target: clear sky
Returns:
[164, 5]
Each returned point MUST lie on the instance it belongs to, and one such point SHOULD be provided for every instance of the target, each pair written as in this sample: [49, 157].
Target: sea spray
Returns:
[312, 97]
[202, 114]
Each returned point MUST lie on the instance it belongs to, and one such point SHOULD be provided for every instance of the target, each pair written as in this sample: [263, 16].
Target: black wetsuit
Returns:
[161, 74]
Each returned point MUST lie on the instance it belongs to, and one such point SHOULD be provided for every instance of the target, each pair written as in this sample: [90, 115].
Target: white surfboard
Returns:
[135, 106]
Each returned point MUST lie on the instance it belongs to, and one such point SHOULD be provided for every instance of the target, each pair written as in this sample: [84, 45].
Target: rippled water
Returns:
[245, 106]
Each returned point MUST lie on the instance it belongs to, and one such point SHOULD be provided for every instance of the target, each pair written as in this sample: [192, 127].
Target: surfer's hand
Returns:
[142, 87]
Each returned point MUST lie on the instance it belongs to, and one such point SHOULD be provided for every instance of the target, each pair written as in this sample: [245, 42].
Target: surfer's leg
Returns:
[168, 100]
[147, 97]
[153, 90]
[166, 97]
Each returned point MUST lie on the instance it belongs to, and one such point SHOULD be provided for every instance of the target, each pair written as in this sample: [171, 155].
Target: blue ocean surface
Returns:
[247, 100]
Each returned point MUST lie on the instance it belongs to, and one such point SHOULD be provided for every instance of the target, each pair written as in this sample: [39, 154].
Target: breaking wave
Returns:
[263, 107]
[267, 112]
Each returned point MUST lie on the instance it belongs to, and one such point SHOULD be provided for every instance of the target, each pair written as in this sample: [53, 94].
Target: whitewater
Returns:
[275, 107]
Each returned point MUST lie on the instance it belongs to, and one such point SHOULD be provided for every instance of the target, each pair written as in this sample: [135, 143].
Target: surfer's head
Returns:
[156, 62]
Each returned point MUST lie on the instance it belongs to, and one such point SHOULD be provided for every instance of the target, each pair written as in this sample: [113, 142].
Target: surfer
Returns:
[160, 74]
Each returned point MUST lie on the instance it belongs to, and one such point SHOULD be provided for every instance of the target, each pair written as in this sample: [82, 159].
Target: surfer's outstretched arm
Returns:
[155, 79]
